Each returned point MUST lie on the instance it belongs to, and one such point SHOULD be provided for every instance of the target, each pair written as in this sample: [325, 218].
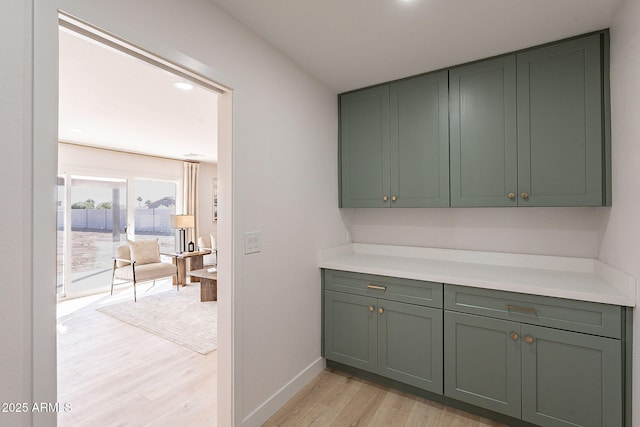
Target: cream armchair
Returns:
[140, 262]
[208, 243]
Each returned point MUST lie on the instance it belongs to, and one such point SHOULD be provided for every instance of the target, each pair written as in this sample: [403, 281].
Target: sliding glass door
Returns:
[60, 235]
[98, 220]
[96, 215]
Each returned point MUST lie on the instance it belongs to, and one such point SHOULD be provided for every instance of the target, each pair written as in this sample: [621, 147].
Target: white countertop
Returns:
[582, 279]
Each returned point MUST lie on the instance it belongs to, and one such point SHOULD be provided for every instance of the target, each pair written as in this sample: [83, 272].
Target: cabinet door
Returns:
[364, 148]
[419, 138]
[482, 362]
[560, 139]
[570, 379]
[483, 133]
[350, 330]
[410, 344]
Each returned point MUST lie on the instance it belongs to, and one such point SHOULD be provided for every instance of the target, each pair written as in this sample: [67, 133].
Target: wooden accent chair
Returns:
[140, 262]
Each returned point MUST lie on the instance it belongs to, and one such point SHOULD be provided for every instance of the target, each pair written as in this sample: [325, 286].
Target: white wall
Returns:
[621, 229]
[284, 185]
[546, 231]
[15, 197]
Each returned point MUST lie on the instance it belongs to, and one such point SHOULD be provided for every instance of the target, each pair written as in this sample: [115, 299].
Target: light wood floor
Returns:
[337, 399]
[115, 374]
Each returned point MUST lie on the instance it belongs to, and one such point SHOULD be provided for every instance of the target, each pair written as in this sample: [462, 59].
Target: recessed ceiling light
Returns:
[183, 85]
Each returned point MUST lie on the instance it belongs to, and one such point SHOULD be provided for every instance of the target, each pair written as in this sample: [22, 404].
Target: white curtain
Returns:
[190, 197]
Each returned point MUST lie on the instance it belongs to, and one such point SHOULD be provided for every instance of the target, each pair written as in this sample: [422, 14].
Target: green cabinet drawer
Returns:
[389, 288]
[579, 316]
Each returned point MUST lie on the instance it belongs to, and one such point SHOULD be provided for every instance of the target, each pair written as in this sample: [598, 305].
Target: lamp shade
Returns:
[182, 221]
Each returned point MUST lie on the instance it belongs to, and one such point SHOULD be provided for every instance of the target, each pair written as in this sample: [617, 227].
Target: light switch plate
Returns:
[251, 242]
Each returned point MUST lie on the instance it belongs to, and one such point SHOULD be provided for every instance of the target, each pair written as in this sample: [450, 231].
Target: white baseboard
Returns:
[270, 406]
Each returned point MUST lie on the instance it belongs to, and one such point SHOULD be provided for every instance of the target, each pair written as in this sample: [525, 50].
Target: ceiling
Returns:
[109, 99]
[349, 44]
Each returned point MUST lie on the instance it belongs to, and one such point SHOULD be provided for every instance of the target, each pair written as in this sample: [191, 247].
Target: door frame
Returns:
[44, 172]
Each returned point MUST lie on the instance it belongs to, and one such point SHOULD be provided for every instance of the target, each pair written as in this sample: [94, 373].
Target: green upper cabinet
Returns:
[527, 129]
[560, 129]
[364, 148]
[419, 136]
[483, 133]
[394, 144]
[530, 128]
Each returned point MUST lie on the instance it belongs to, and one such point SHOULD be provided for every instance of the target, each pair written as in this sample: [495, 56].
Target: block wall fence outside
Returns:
[155, 220]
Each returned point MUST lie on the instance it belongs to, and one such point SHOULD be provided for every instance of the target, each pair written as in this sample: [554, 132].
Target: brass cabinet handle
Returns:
[514, 336]
[381, 310]
[380, 288]
[385, 198]
[511, 196]
[394, 198]
[371, 308]
[525, 195]
[528, 339]
[525, 309]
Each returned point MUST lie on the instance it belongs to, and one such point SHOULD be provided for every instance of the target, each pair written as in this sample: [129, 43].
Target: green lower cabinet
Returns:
[410, 344]
[396, 340]
[570, 379]
[350, 330]
[544, 376]
[482, 362]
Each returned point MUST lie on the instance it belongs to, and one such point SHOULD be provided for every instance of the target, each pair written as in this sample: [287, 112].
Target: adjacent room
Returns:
[136, 181]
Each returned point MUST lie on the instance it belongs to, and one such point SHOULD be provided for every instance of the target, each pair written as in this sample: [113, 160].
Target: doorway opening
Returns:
[103, 201]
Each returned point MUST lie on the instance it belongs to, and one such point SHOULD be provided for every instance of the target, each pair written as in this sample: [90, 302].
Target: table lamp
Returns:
[181, 223]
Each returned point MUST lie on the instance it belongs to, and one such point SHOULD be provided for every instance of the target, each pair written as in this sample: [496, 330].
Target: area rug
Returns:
[179, 317]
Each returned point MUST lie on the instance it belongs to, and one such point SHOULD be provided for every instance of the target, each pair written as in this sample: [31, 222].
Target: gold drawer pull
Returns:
[514, 336]
[371, 308]
[525, 309]
[528, 339]
[381, 310]
[380, 288]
